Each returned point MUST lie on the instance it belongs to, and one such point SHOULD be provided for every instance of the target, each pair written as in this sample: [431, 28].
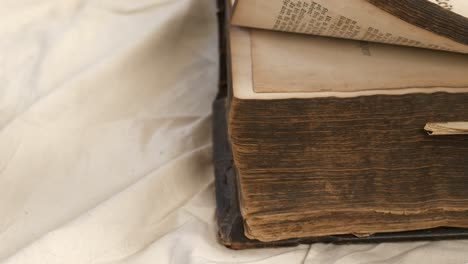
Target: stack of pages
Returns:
[342, 121]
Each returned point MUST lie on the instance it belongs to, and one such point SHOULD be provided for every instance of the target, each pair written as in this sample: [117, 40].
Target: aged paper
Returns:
[356, 19]
[297, 63]
[449, 128]
[267, 65]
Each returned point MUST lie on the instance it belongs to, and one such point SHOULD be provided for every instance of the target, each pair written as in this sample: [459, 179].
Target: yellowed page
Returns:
[351, 19]
[275, 65]
[297, 63]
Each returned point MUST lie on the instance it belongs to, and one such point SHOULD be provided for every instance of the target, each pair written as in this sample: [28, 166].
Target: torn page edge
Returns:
[449, 128]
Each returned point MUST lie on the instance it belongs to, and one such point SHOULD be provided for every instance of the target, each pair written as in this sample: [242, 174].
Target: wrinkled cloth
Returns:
[105, 140]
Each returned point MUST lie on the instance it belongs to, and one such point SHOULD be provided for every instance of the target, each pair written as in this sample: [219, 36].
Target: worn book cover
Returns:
[323, 140]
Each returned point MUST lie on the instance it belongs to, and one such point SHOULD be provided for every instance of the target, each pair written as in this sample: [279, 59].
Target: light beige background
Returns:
[105, 144]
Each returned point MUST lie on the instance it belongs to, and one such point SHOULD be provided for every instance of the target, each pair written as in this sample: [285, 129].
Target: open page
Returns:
[268, 65]
[297, 63]
[352, 19]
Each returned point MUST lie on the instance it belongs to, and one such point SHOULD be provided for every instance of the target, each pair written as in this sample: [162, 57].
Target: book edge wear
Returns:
[428, 16]
[231, 230]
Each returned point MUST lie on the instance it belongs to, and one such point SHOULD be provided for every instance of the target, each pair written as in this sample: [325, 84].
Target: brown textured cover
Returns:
[230, 221]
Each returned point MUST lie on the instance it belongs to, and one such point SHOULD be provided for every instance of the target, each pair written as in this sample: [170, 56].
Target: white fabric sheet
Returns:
[105, 140]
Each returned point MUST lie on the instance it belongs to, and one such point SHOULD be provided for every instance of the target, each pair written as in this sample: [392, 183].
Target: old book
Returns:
[435, 24]
[325, 140]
